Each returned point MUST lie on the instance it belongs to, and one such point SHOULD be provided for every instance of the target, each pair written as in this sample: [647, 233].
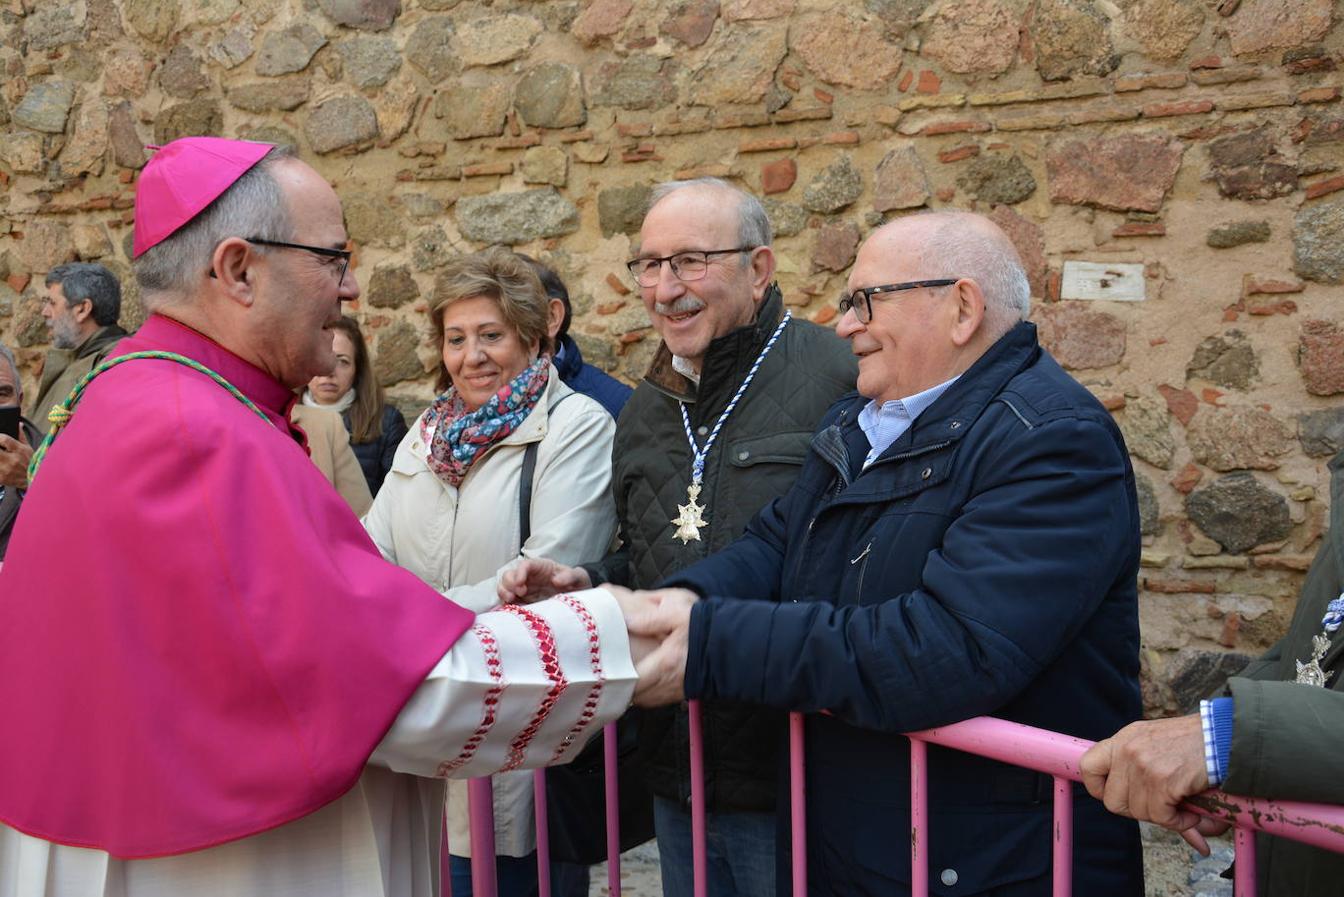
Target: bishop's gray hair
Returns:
[753, 224]
[253, 206]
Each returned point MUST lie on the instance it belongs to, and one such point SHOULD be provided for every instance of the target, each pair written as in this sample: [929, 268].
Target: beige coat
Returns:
[329, 447]
[457, 539]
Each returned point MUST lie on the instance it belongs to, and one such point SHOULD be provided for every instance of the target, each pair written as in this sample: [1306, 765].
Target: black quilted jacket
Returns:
[756, 457]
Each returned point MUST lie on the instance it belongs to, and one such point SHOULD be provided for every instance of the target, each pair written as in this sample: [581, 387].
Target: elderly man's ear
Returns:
[762, 271]
[969, 306]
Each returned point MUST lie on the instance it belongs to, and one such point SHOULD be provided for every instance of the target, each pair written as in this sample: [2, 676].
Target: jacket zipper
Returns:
[863, 571]
[802, 553]
[839, 487]
[913, 453]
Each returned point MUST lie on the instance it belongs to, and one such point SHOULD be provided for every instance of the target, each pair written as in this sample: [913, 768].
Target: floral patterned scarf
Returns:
[457, 437]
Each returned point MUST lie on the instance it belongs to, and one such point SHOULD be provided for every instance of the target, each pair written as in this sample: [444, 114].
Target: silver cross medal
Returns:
[690, 517]
[1310, 673]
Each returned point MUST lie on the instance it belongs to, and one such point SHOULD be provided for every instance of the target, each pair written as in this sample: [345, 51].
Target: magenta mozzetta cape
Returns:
[198, 642]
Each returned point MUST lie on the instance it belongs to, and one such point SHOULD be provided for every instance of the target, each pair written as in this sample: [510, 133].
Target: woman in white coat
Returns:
[449, 508]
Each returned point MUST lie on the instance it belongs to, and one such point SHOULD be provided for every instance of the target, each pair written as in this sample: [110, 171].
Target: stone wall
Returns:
[1171, 170]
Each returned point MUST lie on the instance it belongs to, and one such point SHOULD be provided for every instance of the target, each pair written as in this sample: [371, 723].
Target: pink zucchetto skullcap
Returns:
[182, 179]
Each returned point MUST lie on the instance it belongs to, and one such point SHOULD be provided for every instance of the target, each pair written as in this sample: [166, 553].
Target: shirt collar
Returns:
[913, 406]
[883, 423]
[684, 367]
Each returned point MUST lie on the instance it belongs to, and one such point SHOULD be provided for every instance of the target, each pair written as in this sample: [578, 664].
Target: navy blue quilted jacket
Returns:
[986, 563]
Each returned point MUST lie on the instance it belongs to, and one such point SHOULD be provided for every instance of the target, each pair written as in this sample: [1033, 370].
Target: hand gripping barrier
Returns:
[1051, 753]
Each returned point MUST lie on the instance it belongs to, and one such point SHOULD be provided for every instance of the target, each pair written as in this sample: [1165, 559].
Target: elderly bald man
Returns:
[963, 540]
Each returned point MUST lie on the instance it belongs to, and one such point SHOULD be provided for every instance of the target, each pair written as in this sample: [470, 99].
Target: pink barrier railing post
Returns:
[699, 855]
[445, 869]
[1243, 882]
[797, 805]
[919, 818]
[481, 813]
[543, 833]
[1063, 847]
[613, 796]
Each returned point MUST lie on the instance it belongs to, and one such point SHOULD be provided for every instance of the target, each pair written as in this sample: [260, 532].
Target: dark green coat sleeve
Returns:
[1285, 741]
[1286, 737]
[1266, 666]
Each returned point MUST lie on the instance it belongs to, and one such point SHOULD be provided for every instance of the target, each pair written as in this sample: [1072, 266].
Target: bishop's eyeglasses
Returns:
[335, 255]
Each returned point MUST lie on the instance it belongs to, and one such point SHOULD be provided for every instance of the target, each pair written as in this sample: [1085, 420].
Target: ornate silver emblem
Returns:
[1310, 673]
[691, 516]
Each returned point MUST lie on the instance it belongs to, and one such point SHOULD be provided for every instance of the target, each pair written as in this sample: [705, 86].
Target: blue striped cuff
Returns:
[1222, 734]
[1216, 720]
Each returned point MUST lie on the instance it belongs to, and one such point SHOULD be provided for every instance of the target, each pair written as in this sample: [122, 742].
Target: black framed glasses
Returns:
[342, 254]
[689, 265]
[862, 300]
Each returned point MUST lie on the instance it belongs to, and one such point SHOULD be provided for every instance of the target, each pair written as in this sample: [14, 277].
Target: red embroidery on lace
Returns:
[495, 667]
[544, 639]
[595, 660]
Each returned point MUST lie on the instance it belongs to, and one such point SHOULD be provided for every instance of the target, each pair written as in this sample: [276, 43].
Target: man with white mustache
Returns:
[717, 429]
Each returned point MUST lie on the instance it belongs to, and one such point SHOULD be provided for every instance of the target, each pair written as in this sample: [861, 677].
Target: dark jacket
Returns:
[985, 563]
[1285, 736]
[11, 499]
[582, 377]
[375, 458]
[756, 456]
[63, 369]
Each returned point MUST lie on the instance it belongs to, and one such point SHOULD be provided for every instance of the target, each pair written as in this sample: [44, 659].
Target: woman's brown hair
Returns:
[498, 274]
[366, 414]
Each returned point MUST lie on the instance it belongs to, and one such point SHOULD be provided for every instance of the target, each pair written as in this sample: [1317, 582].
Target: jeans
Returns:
[517, 877]
[739, 847]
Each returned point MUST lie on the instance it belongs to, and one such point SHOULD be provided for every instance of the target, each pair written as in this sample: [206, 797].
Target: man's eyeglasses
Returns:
[862, 300]
[690, 265]
[342, 254]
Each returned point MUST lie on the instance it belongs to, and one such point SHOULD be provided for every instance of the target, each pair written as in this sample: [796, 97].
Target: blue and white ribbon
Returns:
[698, 455]
[1334, 614]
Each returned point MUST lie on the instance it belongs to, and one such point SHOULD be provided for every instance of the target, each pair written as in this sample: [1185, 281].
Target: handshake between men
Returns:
[658, 622]
[1144, 771]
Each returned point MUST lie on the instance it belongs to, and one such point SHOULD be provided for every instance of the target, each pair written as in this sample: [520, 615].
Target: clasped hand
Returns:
[658, 622]
[14, 457]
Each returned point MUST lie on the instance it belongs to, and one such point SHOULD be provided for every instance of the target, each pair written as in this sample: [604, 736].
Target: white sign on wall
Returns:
[1096, 280]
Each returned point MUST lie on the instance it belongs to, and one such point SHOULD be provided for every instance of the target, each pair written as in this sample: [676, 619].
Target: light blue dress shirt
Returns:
[884, 423]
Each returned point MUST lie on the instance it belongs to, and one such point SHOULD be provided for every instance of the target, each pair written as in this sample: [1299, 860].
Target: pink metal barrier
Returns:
[1321, 825]
[1051, 753]
[481, 813]
[609, 746]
